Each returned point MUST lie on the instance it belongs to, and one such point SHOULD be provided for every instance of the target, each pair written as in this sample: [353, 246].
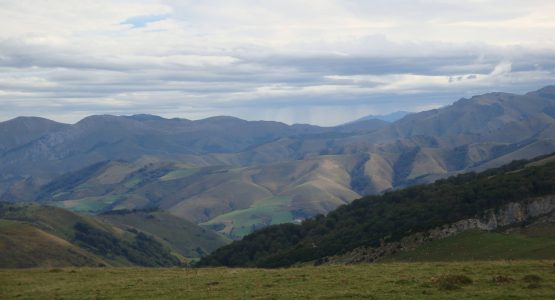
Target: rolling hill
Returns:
[180, 235]
[33, 235]
[23, 246]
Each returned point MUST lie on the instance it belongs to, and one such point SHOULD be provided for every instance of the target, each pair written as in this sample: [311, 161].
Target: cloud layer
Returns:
[322, 62]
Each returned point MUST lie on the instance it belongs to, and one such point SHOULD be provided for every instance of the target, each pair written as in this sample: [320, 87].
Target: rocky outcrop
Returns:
[531, 210]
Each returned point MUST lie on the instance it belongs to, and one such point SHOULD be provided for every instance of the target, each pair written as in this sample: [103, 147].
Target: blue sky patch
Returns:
[142, 21]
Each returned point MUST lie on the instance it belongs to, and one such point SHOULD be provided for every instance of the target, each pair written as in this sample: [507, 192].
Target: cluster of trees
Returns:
[69, 181]
[387, 217]
[124, 211]
[143, 250]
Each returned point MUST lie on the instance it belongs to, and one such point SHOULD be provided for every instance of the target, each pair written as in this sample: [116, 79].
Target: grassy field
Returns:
[461, 280]
[178, 174]
[88, 204]
[534, 242]
[273, 211]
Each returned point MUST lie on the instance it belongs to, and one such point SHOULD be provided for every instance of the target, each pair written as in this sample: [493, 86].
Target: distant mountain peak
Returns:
[26, 119]
[545, 92]
[145, 117]
[220, 119]
[390, 117]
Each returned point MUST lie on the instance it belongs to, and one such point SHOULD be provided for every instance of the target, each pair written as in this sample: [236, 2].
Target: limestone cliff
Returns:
[541, 209]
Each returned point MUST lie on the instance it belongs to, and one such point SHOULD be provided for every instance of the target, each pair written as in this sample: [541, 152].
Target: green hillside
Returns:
[35, 235]
[388, 217]
[23, 245]
[184, 237]
[230, 200]
[480, 246]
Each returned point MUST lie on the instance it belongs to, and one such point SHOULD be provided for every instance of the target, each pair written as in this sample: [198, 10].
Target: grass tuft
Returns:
[451, 282]
[500, 279]
[532, 278]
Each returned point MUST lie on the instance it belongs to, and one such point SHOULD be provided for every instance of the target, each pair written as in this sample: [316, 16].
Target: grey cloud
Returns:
[251, 77]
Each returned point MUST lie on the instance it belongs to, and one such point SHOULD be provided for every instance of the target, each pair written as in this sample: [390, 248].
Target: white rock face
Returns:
[491, 219]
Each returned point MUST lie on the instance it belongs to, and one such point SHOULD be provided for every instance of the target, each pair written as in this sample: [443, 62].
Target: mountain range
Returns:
[235, 176]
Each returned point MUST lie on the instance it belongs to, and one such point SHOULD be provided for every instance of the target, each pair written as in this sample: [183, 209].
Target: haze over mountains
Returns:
[236, 176]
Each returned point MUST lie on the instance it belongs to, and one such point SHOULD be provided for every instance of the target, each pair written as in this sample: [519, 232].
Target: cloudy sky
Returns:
[311, 61]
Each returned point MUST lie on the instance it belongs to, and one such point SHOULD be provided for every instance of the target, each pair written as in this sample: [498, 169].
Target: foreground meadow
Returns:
[454, 280]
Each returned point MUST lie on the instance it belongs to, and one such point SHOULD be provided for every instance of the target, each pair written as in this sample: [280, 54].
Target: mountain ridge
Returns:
[256, 173]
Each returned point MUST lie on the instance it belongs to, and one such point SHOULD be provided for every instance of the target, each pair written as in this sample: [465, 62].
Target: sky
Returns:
[322, 62]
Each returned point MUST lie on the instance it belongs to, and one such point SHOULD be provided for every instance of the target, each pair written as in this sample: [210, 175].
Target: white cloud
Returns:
[304, 59]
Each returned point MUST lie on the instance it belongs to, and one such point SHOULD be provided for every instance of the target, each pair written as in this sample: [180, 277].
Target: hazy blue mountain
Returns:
[390, 118]
[223, 170]
[22, 130]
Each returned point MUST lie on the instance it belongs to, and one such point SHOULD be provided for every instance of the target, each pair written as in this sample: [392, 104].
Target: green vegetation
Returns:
[389, 217]
[479, 245]
[143, 250]
[70, 180]
[131, 183]
[36, 235]
[88, 204]
[23, 245]
[266, 212]
[465, 280]
[178, 174]
[184, 237]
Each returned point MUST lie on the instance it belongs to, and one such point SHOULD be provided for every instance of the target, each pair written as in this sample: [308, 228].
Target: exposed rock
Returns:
[539, 209]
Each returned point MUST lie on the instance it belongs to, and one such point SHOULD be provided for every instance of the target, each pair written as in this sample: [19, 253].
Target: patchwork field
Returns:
[460, 280]
[238, 223]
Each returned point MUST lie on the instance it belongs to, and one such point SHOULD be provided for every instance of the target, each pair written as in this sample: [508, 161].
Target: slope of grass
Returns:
[181, 235]
[479, 245]
[178, 174]
[88, 204]
[266, 212]
[23, 245]
[37, 229]
[466, 280]
[55, 220]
